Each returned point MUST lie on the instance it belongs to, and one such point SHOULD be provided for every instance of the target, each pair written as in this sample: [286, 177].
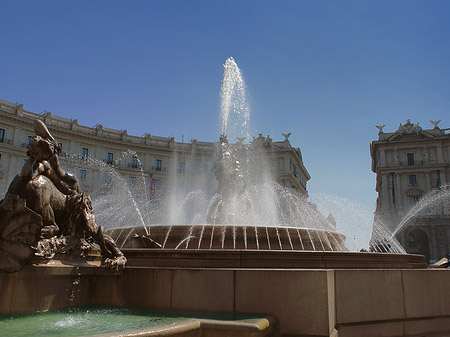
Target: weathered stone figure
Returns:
[231, 188]
[44, 202]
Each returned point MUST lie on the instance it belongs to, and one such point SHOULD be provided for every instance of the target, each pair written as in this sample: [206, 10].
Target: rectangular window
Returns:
[280, 164]
[412, 179]
[413, 200]
[109, 158]
[134, 162]
[2, 135]
[158, 164]
[410, 158]
[82, 174]
[132, 181]
[182, 165]
[84, 153]
[157, 183]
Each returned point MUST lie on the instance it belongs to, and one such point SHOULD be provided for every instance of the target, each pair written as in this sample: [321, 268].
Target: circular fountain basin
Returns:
[238, 246]
[235, 237]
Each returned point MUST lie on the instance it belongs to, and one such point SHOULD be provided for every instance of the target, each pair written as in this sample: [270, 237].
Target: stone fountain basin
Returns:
[234, 237]
[224, 246]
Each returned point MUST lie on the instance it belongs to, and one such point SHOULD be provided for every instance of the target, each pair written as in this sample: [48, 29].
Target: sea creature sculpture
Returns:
[44, 202]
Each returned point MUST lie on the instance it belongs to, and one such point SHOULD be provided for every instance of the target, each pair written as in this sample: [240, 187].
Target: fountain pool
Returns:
[113, 321]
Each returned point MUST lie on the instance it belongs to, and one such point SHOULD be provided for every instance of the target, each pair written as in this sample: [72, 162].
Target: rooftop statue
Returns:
[44, 211]
[380, 128]
[435, 123]
[409, 128]
[286, 136]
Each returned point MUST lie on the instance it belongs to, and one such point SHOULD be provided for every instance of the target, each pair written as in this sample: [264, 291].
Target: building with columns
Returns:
[410, 163]
[158, 159]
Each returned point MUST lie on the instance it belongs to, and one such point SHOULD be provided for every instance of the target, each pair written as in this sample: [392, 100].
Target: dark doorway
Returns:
[418, 243]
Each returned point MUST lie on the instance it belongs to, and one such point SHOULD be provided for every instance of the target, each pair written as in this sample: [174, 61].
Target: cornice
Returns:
[77, 135]
[396, 142]
[414, 168]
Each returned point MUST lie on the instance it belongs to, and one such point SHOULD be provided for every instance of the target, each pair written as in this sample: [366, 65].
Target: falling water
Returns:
[118, 201]
[433, 203]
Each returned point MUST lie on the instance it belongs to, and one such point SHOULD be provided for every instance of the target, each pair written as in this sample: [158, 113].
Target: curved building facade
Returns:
[156, 158]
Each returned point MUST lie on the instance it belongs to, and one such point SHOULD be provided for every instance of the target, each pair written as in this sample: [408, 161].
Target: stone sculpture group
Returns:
[45, 213]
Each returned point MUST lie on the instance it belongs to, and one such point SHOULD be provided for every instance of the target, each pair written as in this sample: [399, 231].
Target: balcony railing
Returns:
[416, 163]
[157, 168]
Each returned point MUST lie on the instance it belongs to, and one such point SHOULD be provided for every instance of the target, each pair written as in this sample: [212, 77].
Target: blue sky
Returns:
[327, 71]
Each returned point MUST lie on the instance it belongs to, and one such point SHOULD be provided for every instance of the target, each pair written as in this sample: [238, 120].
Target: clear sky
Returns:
[327, 71]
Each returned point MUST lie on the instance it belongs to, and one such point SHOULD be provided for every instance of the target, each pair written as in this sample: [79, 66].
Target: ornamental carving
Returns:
[409, 128]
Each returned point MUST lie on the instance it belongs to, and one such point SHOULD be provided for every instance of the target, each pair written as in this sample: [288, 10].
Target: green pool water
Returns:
[82, 321]
[93, 320]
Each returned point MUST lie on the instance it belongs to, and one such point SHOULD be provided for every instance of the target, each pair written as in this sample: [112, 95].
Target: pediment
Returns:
[410, 131]
[410, 136]
[414, 191]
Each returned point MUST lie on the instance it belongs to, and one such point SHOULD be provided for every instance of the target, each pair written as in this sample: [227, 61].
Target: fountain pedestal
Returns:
[341, 294]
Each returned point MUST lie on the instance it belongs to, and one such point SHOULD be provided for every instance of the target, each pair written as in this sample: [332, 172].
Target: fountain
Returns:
[241, 207]
[237, 242]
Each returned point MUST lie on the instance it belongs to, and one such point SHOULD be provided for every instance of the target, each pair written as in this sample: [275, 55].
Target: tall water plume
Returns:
[234, 109]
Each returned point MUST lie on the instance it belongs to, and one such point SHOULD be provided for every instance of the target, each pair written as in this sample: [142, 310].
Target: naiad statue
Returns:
[44, 211]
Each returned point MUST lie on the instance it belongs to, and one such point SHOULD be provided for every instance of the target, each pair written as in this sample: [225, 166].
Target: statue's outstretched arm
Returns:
[41, 130]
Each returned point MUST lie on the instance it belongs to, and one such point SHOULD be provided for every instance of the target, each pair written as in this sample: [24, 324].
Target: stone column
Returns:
[443, 178]
[13, 138]
[72, 147]
[427, 182]
[384, 192]
[382, 158]
[12, 169]
[440, 156]
[398, 191]
[94, 152]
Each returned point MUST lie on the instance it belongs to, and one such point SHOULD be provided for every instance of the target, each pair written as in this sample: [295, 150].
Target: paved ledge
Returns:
[258, 327]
